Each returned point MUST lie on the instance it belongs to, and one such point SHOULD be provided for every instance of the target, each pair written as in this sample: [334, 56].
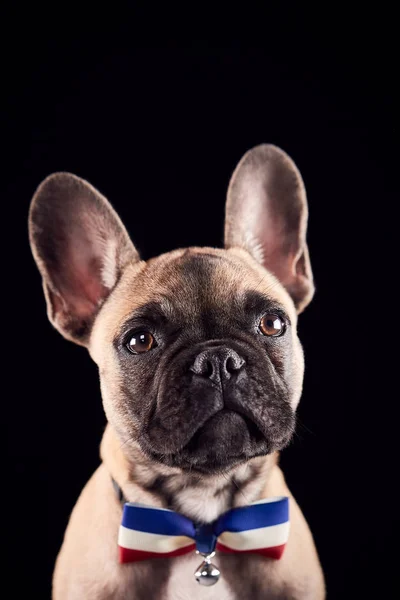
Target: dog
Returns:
[201, 372]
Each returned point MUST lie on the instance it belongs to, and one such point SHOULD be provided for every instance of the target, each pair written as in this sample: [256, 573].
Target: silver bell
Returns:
[207, 573]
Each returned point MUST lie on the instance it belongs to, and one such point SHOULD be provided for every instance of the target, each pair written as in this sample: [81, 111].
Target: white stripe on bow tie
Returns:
[252, 539]
[151, 542]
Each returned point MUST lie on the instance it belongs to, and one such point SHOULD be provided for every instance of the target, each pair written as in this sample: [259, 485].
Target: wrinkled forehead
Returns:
[192, 281]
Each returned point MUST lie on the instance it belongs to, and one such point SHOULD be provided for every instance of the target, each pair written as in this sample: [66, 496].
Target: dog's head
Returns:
[197, 349]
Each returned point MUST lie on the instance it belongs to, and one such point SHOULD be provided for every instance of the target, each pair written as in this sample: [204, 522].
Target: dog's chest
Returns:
[241, 577]
[182, 584]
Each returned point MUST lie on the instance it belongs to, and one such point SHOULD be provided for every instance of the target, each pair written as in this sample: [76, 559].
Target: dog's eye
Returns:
[141, 342]
[272, 325]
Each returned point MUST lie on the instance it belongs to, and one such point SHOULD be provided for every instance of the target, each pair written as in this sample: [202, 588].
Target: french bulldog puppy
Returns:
[201, 372]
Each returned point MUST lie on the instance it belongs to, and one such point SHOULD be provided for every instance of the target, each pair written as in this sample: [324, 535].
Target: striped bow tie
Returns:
[147, 532]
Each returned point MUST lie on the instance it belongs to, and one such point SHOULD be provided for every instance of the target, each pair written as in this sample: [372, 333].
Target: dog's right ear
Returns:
[81, 248]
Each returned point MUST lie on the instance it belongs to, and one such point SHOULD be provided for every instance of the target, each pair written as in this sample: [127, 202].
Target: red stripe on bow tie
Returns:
[273, 552]
[127, 555]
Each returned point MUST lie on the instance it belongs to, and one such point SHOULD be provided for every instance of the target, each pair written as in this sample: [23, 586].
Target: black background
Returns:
[158, 126]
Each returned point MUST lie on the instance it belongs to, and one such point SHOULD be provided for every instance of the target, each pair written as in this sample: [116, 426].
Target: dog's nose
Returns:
[217, 364]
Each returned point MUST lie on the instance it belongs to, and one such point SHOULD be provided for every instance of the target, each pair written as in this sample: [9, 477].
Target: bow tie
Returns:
[147, 532]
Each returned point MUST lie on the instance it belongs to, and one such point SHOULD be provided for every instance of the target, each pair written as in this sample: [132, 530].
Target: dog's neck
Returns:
[199, 497]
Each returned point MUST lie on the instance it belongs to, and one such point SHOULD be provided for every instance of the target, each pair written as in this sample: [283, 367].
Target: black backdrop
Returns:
[158, 128]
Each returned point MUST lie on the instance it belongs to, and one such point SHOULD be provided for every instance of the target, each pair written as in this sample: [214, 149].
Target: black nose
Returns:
[217, 364]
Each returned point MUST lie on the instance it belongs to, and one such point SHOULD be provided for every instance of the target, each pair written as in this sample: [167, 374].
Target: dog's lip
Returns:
[255, 435]
[252, 426]
[254, 429]
[207, 468]
[184, 458]
[255, 432]
[204, 466]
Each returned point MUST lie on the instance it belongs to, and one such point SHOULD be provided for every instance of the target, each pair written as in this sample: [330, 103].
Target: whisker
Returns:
[236, 485]
[304, 427]
[129, 439]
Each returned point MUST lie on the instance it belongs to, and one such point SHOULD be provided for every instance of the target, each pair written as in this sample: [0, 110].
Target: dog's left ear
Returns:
[81, 248]
[266, 214]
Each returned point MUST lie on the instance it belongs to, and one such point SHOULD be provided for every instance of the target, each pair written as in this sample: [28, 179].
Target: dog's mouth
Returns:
[230, 424]
[225, 440]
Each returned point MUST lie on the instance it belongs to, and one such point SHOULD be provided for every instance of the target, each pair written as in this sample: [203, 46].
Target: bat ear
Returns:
[80, 247]
[266, 214]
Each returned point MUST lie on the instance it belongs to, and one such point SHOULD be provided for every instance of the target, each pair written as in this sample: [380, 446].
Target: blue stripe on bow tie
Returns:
[156, 520]
[264, 514]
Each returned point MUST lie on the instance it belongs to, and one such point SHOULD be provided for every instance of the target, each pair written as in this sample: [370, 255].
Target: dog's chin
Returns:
[225, 441]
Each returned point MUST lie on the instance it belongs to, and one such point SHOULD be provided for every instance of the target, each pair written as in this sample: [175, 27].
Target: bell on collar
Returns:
[207, 573]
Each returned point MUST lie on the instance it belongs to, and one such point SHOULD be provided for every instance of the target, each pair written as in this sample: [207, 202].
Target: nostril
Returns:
[234, 363]
[207, 369]
[230, 365]
[202, 366]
